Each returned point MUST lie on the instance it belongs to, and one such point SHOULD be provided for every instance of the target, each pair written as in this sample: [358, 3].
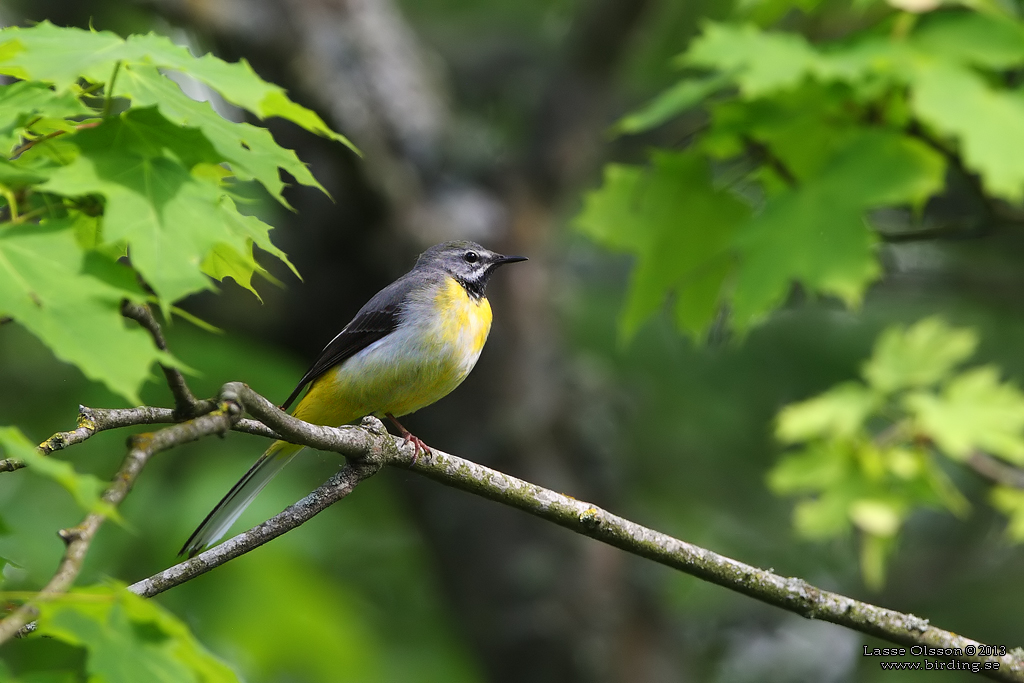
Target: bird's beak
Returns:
[502, 260]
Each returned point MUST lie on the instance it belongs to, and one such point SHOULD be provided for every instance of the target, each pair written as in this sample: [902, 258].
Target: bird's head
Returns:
[467, 262]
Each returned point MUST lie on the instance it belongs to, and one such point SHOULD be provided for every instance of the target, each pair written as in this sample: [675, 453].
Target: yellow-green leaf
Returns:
[918, 356]
[129, 639]
[839, 412]
[73, 305]
[975, 410]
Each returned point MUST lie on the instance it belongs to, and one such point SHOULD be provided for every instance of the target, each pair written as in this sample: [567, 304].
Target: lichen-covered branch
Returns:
[370, 447]
[793, 594]
[94, 420]
[373, 447]
[78, 538]
[334, 489]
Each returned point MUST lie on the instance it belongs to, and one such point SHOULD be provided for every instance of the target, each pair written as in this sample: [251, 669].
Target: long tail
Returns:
[238, 498]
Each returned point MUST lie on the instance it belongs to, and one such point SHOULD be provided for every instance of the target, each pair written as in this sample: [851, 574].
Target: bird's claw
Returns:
[417, 444]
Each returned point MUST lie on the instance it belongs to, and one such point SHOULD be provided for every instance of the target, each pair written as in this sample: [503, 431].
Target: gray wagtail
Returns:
[409, 346]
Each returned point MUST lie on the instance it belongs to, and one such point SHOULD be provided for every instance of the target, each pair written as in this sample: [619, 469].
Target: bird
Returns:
[409, 346]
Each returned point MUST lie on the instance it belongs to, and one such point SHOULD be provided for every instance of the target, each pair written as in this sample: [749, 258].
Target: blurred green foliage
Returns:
[84, 488]
[801, 146]
[128, 638]
[867, 455]
[349, 597]
[808, 136]
[686, 428]
[90, 182]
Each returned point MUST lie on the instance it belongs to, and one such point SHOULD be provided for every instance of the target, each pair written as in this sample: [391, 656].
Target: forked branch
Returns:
[185, 403]
[370, 447]
[78, 538]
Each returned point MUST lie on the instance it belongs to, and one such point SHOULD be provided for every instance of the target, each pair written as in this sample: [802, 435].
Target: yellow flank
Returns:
[419, 363]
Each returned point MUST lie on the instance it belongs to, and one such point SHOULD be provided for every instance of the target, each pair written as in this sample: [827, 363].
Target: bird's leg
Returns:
[409, 437]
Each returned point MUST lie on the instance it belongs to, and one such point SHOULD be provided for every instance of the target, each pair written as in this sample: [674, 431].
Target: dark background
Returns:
[487, 121]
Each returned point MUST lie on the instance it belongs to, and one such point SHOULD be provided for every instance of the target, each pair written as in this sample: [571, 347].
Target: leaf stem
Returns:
[108, 100]
[12, 202]
[30, 214]
[32, 143]
[91, 89]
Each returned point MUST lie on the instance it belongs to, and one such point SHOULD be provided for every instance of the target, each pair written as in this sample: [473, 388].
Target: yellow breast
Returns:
[465, 321]
[431, 353]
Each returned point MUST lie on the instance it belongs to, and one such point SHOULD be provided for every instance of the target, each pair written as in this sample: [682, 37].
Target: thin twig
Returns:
[49, 136]
[186, 405]
[334, 489]
[996, 470]
[79, 538]
[94, 420]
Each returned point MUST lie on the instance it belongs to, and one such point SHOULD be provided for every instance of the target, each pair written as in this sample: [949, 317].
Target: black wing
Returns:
[376, 320]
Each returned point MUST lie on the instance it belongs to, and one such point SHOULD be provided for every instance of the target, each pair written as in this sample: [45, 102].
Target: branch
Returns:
[49, 136]
[923, 234]
[142, 447]
[329, 493]
[371, 448]
[94, 420]
[375, 447]
[996, 470]
[792, 594]
[185, 404]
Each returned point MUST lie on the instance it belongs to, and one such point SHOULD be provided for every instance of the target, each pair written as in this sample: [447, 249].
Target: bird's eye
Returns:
[471, 257]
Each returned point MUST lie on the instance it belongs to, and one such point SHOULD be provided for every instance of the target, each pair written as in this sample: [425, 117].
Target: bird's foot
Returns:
[408, 437]
[417, 444]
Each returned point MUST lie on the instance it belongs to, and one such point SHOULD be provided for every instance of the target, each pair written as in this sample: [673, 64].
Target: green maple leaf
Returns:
[26, 102]
[816, 233]
[681, 251]
[227, 260]
[250, 150]
[684, 95]
[918, 356]
[61, 56]
[1010, 502]
[170, 217]
[984, 40]
[974, 411]
[839, 412]
[46, 284]
[129, 639]
[84, 488]
[17, 175]
[988, 123]
[759, 62]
